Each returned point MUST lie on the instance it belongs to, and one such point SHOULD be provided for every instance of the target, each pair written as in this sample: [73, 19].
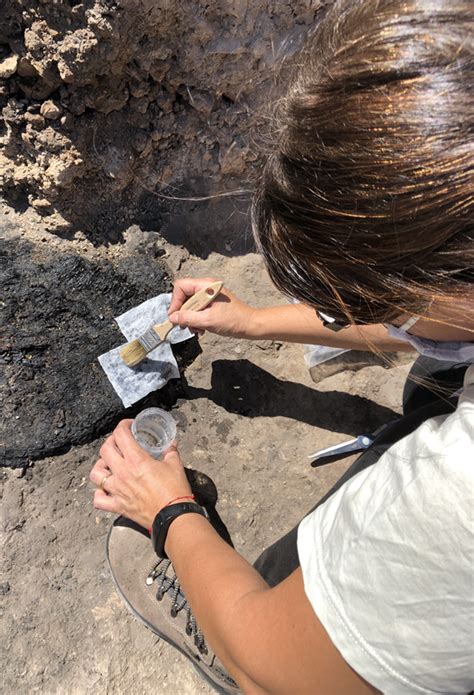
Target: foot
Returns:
[151, 591]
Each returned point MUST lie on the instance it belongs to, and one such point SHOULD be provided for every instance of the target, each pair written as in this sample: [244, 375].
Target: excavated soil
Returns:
[136, 100]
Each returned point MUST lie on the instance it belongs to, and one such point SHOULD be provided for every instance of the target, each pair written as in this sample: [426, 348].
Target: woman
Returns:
[362, 213]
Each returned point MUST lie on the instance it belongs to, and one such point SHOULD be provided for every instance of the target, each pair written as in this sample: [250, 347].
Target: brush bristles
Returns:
[133, 353]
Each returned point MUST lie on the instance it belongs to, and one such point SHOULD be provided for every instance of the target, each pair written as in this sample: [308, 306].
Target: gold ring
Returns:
[102, 482]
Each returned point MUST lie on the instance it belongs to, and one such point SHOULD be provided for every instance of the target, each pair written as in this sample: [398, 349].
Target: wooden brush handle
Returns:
[198, 301]
[203, 298]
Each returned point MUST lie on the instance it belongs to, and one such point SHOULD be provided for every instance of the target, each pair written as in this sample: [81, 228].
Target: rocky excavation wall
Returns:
[105, 101]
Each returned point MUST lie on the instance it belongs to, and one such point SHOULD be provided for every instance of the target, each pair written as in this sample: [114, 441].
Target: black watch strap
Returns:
[165, 518]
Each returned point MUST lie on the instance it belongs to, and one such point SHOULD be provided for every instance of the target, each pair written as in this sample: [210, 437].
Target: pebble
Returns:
[50, 110]
[34, 118]
[67, 120]
[41, 205]
[4, 588]
[8, 66]
[26, 69]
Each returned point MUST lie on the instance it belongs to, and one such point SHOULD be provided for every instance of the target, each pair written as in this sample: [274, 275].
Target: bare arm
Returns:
[270, 640]
[297, 323]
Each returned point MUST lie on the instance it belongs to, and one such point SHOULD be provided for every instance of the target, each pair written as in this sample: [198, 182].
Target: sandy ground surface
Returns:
[250, 417]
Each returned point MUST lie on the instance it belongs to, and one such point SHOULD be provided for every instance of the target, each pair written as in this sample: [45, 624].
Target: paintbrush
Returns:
[134, 352]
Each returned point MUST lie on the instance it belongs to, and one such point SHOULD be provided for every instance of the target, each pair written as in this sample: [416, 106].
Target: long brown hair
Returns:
[364, 205]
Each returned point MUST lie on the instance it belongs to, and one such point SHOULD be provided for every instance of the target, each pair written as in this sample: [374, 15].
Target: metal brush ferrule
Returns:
[150, 340]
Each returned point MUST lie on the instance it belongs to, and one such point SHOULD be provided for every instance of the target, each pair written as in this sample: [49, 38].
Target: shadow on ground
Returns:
[240, 387]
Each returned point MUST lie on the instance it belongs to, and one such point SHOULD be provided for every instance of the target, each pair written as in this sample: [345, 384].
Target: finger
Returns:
[172, 446]
[105, 502]
[98, 472]
[182, 290]
[171, 455]
[124, 439]
[127, 421]
[110, 452]
[185, 288]
[196, 320]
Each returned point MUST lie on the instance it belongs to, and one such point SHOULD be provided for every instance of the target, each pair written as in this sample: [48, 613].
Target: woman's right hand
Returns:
[227, 315]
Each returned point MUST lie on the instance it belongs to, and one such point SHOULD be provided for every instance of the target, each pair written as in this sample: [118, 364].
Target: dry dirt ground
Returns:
[249, 418]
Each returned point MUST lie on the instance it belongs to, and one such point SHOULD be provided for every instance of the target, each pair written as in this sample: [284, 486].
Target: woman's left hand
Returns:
[132, 483]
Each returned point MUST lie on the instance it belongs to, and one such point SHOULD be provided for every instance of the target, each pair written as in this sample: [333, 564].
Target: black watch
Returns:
[165, 518]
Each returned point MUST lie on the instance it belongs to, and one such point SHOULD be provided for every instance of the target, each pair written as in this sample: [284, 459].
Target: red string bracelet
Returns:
[176, 499]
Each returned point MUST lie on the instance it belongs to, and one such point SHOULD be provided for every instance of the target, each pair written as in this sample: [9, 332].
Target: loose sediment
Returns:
[131, 98]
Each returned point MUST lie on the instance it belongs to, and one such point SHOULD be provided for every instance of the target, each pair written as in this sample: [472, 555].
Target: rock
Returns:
[35, 119]
[50, 110]
[62, 171]
[4, 588]
[67, 121]
[13, 112]
[138, 88]
[106, 102]
[25, 68]
[139, 104]
[202, 101]
[8, 66]
[41, 205]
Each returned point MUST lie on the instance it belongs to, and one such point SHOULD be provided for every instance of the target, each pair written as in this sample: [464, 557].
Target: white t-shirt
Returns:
[387, 561]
